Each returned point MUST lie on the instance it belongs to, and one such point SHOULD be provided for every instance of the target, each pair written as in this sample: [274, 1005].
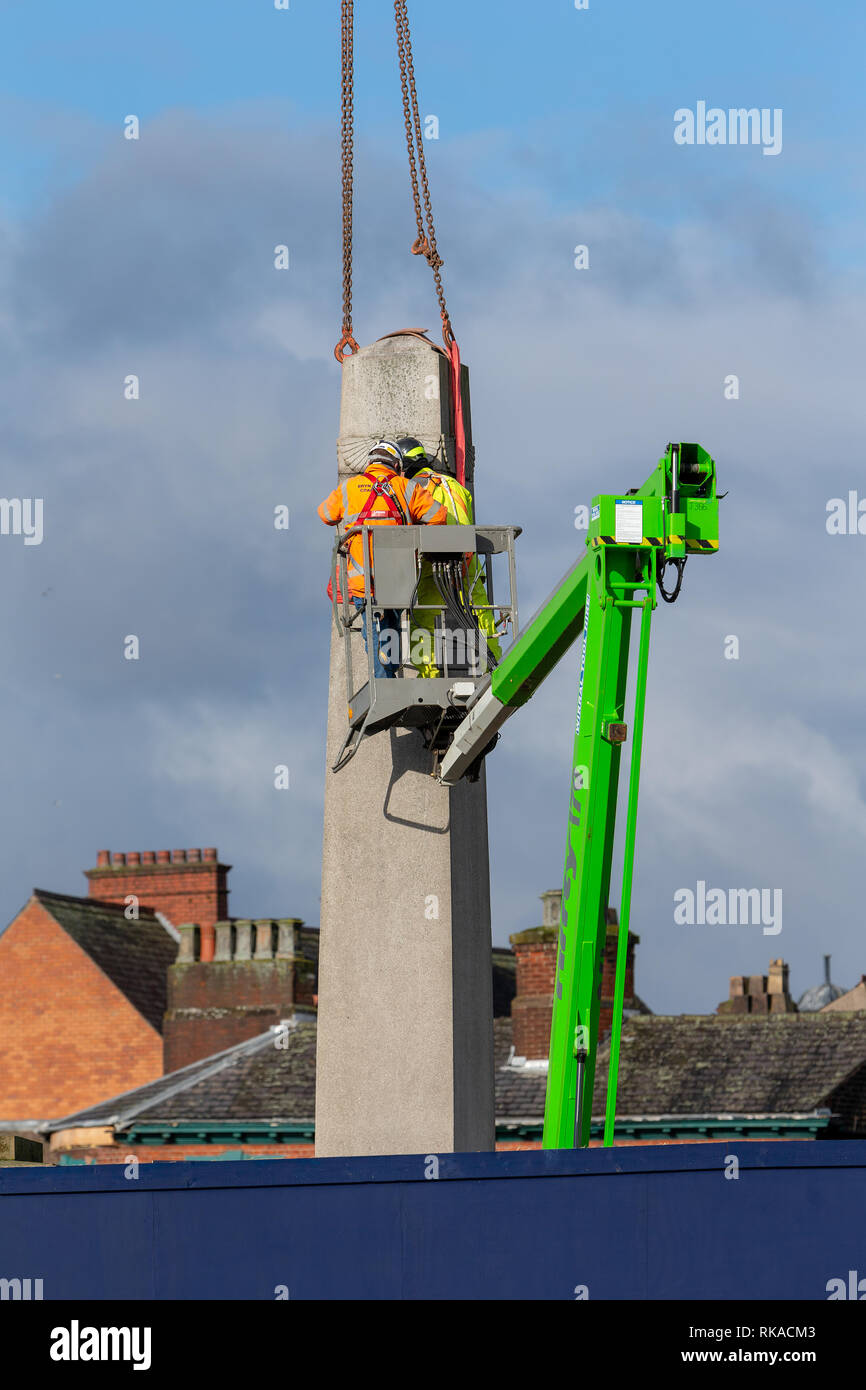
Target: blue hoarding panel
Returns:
[628, 1223]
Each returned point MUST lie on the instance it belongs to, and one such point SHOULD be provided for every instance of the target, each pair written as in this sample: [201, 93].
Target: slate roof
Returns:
[789, 1064]
[519, 1092]
[134, 955]
[785, 1064]
[254, 1080]
[724, 1064]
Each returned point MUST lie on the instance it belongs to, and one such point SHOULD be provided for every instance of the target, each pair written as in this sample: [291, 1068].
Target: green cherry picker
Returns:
[634, 541]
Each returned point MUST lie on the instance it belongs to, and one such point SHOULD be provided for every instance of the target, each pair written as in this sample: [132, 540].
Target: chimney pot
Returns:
[224, 932]
[186, 955]
[210, 856]
[264, 939]
[193, 856]
[103, 858]
[243, 933]
[286, 927]
[551, 910]
[179, 896]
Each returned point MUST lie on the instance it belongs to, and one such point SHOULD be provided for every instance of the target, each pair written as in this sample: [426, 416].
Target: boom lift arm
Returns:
[631, 542]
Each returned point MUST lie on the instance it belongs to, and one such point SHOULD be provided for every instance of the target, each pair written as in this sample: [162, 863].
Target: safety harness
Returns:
[381, 490]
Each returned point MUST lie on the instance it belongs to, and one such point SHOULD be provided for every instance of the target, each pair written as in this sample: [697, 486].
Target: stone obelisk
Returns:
[405, 1032]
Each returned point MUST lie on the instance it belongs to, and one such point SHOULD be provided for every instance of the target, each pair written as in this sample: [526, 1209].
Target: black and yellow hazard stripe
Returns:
[611, 540]
[696, 545]
[692, 544]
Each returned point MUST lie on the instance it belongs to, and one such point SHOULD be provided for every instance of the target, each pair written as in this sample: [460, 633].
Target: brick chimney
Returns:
[532, 1006]
[186, 885]
[535, 951]
[760, 994]
[608, 976]
[260, 972]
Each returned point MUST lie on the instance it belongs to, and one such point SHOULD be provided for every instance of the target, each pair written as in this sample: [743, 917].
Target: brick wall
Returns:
[186, 885]
[149, 1153]
[608, 975]
[68, 1036]
[532, 1007]
[260, 972]
[168, 1153]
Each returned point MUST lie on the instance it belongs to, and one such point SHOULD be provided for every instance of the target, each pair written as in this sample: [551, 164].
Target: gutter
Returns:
[802, 1125]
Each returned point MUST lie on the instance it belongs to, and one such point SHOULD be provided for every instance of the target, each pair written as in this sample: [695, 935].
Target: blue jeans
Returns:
[387, 632]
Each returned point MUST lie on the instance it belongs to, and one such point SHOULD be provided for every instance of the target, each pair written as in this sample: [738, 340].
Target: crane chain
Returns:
[425, 243]
[347, 150]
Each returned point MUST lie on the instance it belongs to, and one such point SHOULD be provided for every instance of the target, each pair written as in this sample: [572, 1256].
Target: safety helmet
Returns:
[414, 454]
[386, 451]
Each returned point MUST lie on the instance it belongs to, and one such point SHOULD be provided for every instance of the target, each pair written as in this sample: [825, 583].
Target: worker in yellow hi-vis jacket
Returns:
[457, 501]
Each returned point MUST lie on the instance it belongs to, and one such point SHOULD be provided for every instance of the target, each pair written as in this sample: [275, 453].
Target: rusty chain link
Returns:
[347, 145]
[425, 243]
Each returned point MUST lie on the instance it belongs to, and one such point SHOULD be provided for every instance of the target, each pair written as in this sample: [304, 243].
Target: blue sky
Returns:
[556, 126]
[579, 87]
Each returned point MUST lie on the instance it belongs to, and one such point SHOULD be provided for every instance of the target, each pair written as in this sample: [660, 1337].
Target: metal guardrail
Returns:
[398, 558]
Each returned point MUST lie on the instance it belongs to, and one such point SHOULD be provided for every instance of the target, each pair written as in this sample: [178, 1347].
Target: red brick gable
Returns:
[69, 1037]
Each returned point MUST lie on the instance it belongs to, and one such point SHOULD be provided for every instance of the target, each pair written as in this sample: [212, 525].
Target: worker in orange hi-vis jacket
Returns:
[380, 496]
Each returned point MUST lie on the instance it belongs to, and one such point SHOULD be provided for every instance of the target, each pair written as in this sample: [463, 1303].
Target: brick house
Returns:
[148, 973]
[239, 1028]
[82, 1003]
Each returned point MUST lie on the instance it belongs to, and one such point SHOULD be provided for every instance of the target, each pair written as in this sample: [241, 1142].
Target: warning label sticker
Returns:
[629, 522]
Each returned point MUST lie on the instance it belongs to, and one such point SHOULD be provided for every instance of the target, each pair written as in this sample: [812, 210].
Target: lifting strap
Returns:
[457, 413]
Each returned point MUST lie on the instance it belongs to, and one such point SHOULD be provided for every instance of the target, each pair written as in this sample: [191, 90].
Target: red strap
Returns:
[457, 413]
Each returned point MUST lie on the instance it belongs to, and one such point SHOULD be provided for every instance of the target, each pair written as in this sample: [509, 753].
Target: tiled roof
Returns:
[707, 1065]
[134, 955]
[701, 1066]
[782, 1064]
[254, 1080]
[519, 1092]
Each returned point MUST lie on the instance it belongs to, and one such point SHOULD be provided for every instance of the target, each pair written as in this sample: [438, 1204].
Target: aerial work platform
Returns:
[634, 540]
[395, 556]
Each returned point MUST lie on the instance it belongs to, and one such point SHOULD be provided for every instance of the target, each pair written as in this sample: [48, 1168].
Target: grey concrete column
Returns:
[405, 1031]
